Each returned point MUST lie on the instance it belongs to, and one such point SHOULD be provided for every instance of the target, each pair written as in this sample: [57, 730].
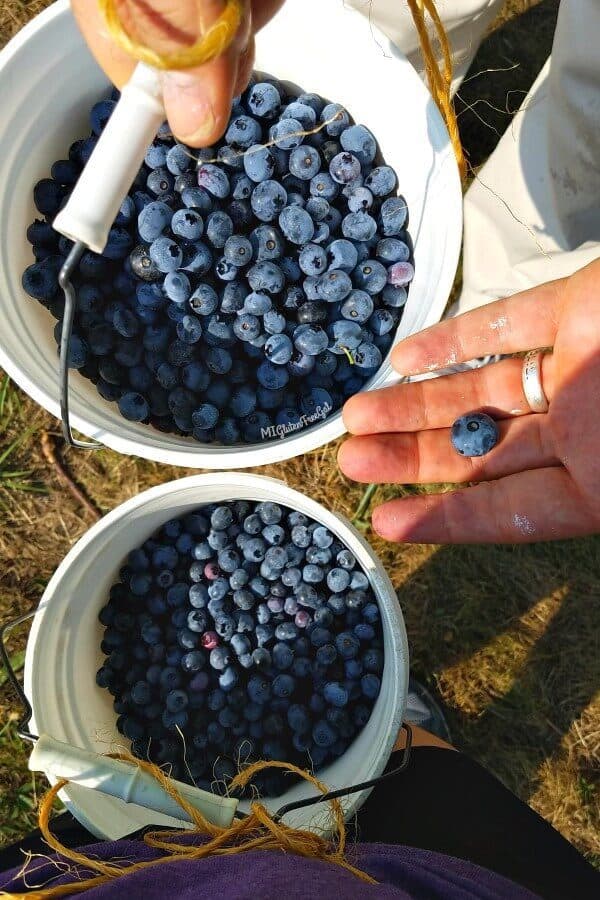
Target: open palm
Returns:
[542, 480]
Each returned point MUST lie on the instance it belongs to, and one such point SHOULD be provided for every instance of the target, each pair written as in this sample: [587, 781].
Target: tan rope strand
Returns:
[258, 831]
[439, 83]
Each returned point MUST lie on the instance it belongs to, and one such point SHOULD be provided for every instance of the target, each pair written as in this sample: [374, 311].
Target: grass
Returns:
[507, 637]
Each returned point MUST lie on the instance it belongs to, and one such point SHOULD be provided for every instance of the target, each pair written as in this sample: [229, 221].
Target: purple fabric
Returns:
[403, 873]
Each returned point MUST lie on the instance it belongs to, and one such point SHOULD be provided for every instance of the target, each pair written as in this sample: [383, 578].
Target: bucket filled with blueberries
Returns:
[247, 289]
[213, 621]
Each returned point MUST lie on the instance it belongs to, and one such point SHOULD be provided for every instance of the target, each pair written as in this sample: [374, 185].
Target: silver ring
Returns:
[532, 382]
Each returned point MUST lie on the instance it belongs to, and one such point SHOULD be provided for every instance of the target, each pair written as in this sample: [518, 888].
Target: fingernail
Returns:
[189, 105]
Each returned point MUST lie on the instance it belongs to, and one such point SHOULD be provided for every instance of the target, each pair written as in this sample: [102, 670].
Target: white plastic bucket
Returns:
[63, 651]
[49, 81]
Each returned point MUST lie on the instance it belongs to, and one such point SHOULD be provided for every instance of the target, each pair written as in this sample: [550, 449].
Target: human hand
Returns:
[542, 480]
[197, 101]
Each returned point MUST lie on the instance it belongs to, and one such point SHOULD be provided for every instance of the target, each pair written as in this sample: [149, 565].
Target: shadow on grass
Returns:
[544, 621]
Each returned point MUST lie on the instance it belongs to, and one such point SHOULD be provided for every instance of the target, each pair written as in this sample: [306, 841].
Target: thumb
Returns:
[198, 100]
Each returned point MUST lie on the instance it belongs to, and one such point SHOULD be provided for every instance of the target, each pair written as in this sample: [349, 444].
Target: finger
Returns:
[520, 322]
[541, 505]
[245, 67]
[427, 457]
[198, 100]
[263, 11]
[435, 403]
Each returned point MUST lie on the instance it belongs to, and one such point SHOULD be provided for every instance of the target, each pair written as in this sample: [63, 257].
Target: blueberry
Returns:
[197, 198]
[189, 329]
[474, 434]
[165, 254]
[134, 407]
[266, 276]
[259, 163]
[296, 224]
[214, 180]
[286, 631]
[219, 658]
[160, 182]
[261, 658]
[100, 114]
[219, 227]
[228, 679]
[400, 274]
[287, 134]
[381, 181]
[357, 307]
[347, 645]
[359, 226]
[370, 685]
[243, 131]
[342, 255]
[392, 216]
[323, 734]
[345, 336]
[170, 678]
[323, 186]
[40, 281]
[188, 224]
[176, 700]
[141, 693]
[334, 286]
[259, 689]
[268, 199]
[336, 117]
[344, 168]
[360, 199]
[370, 276]
[358, 140]
[283, 685]
[304, 162]
[301, 112]
[264, 100]
[282, 656]
[310, 340]
[274, 322]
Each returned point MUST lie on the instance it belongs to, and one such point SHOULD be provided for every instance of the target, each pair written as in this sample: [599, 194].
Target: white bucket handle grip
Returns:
[125, 781]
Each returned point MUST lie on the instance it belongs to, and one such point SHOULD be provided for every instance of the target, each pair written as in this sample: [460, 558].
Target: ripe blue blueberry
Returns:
[370, 276]
[302, 112]
[214, 180]
[296, 224]
[474, 434]
[336, 119]
[287, 134]
[264, 100]
[268, 199]
[344, 168]
[359, 226]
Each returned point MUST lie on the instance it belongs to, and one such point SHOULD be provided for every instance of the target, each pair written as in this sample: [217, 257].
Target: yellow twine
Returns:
[219, 36]
[258, 831]
[211, 44]
[440, 81]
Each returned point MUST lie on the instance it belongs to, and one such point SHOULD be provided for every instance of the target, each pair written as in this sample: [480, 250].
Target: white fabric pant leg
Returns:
[533, 214]
[465, 22]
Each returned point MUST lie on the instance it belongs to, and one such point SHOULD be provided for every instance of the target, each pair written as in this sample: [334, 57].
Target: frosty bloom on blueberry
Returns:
[474, 434]
[241, 623]
[236, 279]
